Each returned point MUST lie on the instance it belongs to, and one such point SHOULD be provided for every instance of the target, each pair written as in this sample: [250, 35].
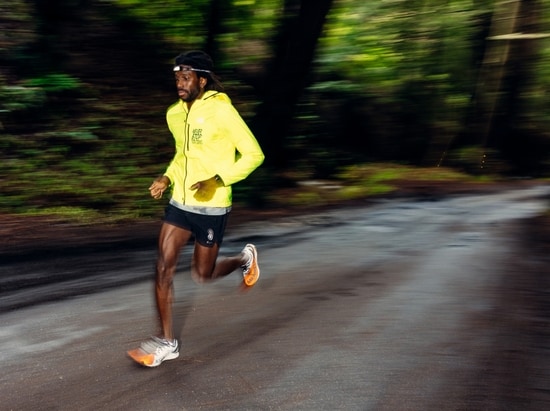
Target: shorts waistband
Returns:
[200, 210]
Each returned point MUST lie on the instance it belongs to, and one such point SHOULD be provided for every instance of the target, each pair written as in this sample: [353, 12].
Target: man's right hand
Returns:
[159, 186]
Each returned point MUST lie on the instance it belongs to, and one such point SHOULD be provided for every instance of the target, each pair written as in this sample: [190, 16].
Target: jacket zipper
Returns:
[185, 151]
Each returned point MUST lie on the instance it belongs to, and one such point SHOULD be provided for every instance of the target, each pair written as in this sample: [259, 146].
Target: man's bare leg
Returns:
[154, 351]
[206, 266]
[171, 240]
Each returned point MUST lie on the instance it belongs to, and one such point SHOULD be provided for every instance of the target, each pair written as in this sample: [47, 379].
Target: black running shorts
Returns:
[207, 229]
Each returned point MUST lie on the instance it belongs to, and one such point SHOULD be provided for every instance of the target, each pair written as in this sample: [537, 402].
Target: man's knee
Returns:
[165, 271]
[200, 276]
[197, 271]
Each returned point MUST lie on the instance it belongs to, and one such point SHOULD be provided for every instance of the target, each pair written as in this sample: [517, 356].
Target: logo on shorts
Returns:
[210, 235]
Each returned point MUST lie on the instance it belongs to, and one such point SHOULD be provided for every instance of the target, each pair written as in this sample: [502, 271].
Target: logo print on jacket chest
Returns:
[196, 136]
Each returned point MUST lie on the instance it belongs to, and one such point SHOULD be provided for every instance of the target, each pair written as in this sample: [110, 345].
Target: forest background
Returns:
[346, 97]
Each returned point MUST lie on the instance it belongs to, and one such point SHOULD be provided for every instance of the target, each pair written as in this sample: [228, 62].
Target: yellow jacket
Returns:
[211, 138]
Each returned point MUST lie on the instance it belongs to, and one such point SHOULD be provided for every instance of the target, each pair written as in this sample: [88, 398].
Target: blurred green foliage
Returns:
[84, 85]
[54, 83]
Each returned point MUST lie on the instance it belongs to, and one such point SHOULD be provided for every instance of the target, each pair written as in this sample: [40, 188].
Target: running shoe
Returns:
[251, 270]
[154, 351]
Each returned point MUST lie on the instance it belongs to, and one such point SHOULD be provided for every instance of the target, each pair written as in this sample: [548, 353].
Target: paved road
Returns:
[400, 305]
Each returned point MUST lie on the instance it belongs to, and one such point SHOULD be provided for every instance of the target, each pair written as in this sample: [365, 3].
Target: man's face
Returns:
[188, 85]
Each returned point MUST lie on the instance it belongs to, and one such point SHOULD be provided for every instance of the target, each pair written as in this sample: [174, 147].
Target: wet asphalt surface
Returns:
[400, 304]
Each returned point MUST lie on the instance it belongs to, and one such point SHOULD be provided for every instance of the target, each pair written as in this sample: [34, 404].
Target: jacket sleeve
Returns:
[175, 123]
[171, 171]
[249, 155]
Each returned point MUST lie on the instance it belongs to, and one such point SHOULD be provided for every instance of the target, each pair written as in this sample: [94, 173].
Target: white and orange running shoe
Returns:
[153, 352]
[251, 270]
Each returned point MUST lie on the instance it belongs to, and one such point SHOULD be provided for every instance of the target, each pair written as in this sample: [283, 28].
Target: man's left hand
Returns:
[205, 189]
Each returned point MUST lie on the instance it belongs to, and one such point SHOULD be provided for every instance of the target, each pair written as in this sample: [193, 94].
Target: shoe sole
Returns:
[148, 360]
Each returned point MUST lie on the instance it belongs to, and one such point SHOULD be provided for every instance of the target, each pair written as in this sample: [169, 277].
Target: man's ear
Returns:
[202, 82]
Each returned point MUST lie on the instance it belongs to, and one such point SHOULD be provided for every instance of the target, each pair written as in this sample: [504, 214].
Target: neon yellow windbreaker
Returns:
[211, 138]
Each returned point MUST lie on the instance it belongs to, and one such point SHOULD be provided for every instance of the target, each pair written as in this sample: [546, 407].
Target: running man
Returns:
[214, 149]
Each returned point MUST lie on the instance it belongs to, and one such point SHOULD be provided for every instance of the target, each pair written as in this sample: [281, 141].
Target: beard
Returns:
[189, 95]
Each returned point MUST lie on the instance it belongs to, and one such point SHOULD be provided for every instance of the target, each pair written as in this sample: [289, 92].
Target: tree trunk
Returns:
[215, 13]
[288, 74]
[494, 63]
